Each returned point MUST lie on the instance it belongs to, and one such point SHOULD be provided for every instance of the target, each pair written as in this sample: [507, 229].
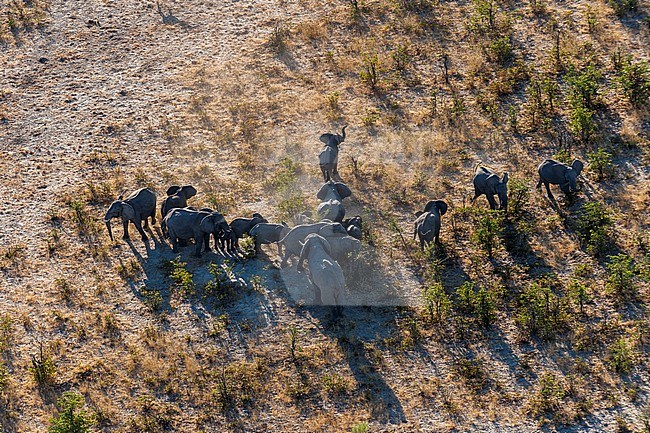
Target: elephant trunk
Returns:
[108, 226]
[343, 133]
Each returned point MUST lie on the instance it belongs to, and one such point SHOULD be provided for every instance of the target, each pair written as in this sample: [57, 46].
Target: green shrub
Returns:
[620, 281]
[634, 80]
[360, 427]
[621, 357]
[478, 303]
[621, 7]
[518, 196]
[72, 417]
[582, 123]
[489, 226]
[593, 225]
[549, 395]
[181, 277]
[43, 368]
[500, 50]
[579, 293]
[483, 19]
[600, 161]
[583, 87]
[436, 301]
[370, 69]
[541, 312]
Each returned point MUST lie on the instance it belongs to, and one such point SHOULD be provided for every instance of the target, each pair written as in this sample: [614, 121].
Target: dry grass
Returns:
[239, 118]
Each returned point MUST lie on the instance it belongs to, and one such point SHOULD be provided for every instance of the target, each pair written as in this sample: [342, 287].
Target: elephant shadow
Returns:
[353, 330]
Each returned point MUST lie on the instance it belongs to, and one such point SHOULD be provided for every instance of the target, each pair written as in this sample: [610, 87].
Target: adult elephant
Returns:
[324, 272]
[331, 195]
[488, 182]
[293, 241]
[266, 233]
[135, 208]
[329, 155]
[183, 224]
[556, 173]
[354, 226]
[428, 223]
[177, 197]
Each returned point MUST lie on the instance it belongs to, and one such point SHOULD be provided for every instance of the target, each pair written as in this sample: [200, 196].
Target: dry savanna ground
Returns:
[531, 321]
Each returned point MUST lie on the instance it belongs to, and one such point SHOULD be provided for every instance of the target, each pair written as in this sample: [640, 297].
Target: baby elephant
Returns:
[487, 182]
[265, 233]
[556, 173]
[427, 224]
[353, 226]
[243, 226]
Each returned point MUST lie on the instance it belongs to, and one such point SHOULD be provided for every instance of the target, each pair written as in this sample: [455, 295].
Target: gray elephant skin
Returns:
[292, 241]
[552, 172]
[184, 224]
[243, 226]
[324, 272]
[428, 223]
[177, 197]
[267, 233]
[353, 226]
[329, 155]
[331, 195]
[342, 248]
[135, 208]
[488, 182]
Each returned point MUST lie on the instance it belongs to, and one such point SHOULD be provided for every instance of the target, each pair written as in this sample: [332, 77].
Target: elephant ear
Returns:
[127, 211]
[343, 190]
[326, 245]
[442, 206]
[173, 189]
[322, 192]
[284, 224]
[504, 179]
[577, 166]
[188, 190]
[325, 138]
[418, 214]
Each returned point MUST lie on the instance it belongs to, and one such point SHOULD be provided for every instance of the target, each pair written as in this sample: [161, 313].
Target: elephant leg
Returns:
[138, 226]
[421, 243]
[182, 242]
[548, 190]
[125, 225]
[153, 217]
[477, 194]
[335, 173]
[206, 242]
[493, 203]
[539, 183]
[285, 258]
[174, 241]
[279, 249]
[324, 171]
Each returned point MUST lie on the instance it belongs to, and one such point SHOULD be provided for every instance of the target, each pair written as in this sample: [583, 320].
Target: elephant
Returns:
[487, 182]
[177, 197]
[331, 195]
[329, 155]
[243, 226]
[292, 241]
[265, 233]
[324, 272]
[184, 223]
[353, 226]
[344, 247]
[135, 208]
[556, 173]
[303, 218]
[227, 240]
[427, 225]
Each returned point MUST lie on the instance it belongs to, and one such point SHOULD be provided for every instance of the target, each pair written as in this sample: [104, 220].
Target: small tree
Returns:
[601, 162]
[620, 281]
[72, 418]
[436, 301]
[488, 229]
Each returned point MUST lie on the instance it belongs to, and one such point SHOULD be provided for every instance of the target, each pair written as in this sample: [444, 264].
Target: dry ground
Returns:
[99, 97]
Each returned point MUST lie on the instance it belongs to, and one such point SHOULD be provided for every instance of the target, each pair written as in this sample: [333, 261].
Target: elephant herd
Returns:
[325, 244]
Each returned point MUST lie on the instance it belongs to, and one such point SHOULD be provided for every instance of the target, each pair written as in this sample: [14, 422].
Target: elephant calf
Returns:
[331, 195]
[183, 224]
[353, 226]
[488, 182]
[135, 208]
[265, 233]
[243, 226]
[428, 224]
[324, 272]
[556, 173]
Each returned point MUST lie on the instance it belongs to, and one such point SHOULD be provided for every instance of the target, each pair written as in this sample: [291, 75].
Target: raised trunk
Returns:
[343, 134]
[108, 226]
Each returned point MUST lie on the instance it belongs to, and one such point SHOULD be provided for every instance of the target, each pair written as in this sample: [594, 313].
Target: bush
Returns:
[369, 73]
[583, 87]
[621, 7]
[72, 418]
[500, 50]
[436, 301]
[634, 79]
[594, 222]
[489, 226]
[601, 162]
[181, 277]
[621, 357]
[620, 281]
[582, 123]
[478, 303]
[541, 312]
[518, 196]
[579, 293]
[549, 395]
